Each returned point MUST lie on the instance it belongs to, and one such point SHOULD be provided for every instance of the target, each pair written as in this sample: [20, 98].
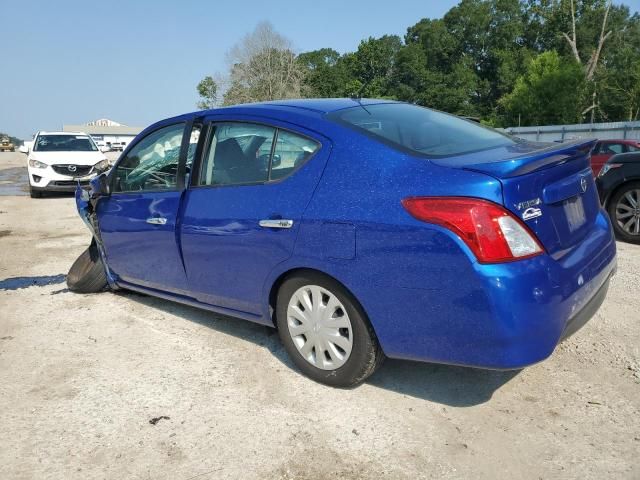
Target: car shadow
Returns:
[445, 384]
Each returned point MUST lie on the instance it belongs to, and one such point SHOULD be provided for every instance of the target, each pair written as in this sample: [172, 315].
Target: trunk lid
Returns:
[548, 186]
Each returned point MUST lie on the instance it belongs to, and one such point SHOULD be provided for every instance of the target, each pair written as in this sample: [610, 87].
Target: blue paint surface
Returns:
[423, 290]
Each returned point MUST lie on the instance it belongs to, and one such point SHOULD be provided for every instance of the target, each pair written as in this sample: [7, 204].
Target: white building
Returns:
[106, 130]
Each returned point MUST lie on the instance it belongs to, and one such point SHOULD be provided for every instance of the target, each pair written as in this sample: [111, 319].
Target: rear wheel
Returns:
[624, 211]
[325, 331]
[87, 274]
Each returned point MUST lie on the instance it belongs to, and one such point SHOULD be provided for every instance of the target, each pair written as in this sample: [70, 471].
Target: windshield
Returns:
[420, 130]
[64, 143]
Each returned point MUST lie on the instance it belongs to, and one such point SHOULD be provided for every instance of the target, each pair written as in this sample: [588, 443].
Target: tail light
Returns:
[492, 233]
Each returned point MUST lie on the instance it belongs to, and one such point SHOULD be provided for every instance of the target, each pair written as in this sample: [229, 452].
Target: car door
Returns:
[243, 209]
[138, 220]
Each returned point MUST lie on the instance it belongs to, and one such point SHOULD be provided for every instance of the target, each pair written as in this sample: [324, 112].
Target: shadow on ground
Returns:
[444, 384]
[15, 283]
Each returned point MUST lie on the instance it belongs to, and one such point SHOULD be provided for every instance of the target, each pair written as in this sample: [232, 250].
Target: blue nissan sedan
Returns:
[360, 229]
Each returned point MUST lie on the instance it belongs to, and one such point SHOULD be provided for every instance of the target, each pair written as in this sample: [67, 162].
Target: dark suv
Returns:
[619, 189]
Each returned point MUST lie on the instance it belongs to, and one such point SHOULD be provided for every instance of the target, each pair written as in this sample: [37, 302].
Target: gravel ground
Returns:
[126, 386]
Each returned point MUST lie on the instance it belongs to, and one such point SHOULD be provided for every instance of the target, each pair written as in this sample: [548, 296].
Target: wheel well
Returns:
[616, 190]
[273, 294]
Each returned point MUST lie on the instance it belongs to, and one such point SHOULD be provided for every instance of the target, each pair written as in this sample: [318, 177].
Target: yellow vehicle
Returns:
[6, 145]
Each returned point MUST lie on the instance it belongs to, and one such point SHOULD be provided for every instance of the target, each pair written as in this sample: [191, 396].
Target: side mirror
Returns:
[104, 149]
[277, 160]
[100, 186]
[24, 149]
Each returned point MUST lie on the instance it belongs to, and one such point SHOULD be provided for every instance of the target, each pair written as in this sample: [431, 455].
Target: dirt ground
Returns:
[123, 386]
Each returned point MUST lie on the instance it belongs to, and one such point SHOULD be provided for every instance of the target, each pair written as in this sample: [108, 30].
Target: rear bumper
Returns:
[589, 310]
[501, 316]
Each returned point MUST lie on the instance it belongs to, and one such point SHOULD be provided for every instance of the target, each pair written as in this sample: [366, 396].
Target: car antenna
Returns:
[358, 96]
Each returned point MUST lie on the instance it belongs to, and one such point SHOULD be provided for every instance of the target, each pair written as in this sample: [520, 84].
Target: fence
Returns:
[554, 133]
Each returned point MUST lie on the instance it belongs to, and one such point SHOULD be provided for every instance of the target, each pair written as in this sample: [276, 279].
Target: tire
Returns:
[622, 211]
[34, 193]
[334, 365]
[87, 274]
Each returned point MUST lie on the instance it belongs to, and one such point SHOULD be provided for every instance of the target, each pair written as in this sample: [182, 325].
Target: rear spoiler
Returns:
[553, 154]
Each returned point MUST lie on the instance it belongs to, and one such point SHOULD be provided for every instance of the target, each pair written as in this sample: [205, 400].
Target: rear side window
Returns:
[238, 153]
[291, 151]
[612, 148]
[244, 153]
[418, 130]
[633, 148]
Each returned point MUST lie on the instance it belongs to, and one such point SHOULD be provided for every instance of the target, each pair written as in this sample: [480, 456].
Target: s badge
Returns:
[531, 212]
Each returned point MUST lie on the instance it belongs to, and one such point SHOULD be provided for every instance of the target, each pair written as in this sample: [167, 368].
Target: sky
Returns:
[136, 62]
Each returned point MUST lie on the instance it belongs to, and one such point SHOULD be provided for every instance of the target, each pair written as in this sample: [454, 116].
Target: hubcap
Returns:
[628, 212]
[320, 327]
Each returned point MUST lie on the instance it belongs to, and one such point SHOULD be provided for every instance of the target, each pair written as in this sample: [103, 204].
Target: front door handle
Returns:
[157, 221]
[276, 223]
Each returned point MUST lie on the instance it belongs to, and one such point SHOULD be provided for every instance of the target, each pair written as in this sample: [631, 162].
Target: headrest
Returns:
[228, 154]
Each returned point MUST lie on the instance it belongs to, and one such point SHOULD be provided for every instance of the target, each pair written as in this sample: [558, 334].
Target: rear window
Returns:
[419, 130]
[64, 143]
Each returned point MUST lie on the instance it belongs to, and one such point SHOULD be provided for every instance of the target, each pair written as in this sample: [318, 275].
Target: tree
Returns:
[594, 57]
[208, 91]
[263, 67]
[325, 73]
[550, 92]
[373, 64]
[499, 60]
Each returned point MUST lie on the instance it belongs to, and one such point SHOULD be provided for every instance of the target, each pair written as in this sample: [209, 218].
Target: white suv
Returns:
[57, 161]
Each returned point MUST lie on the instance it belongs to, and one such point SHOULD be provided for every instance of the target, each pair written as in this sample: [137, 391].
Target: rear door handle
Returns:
[276, 223]
[157, 221]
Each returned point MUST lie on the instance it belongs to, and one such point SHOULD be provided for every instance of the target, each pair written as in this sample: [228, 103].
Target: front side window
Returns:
[238, 153]
[420, 130]
[633, 148]
[152, 164]
[64, 143]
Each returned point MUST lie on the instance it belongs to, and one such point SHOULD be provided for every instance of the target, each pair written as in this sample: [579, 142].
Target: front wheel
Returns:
[325, 331]
[34, 193]
[87, 274]
[624, 211]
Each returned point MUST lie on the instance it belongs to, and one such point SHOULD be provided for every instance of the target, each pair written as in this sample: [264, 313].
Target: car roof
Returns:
[622, 140]
[628, 157]
[319, 105]
[278, 109]
[309, 106]
[61, 133]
